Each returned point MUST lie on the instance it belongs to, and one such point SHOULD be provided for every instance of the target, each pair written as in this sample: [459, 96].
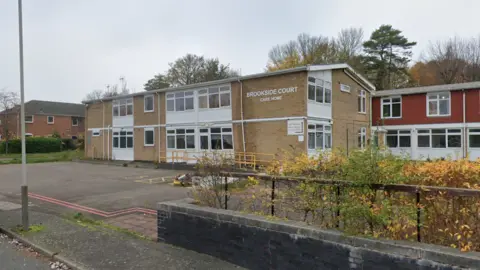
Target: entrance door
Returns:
[122, 144]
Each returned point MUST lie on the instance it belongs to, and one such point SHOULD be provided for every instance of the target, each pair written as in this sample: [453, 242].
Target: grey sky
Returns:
[73, 47]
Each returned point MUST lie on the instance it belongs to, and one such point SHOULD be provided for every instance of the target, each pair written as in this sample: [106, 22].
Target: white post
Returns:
[24, 188]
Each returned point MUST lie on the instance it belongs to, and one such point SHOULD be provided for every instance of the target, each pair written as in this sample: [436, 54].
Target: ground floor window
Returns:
[216, 138]
[398, 138]
[181, 138]
[123, 139]
[149, 137]
[439, 138]
[474, 138]
[362, 137]
[319, 136]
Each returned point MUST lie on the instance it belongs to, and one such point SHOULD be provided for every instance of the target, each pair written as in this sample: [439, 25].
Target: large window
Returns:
[362, 101]
[149, 137]
[319, 136]
[398, 138]
[214, 97]
[123, 139]
[439, 138]
[362, 137]
[216, 138]
[319, 90]
[180, 101]
[123, 107]
[438, 104]
[474, 138]
[181, 138]
[148, 103]
[392, 107]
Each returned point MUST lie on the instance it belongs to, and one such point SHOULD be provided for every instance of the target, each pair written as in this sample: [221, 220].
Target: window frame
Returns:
[145, 130]
[362, 135]
[117, 134]
[325, 129]
[172, 96]
[473, 133]
[145, 103]
[326, 87]
[447, 132]
[128, 102]
[29, 122]
[50, 122]
[362, 96]
[75, 118]
[437, 99]
[207, 94]
[96, 133]
[382, 103]
[186, 132]
[399, 134]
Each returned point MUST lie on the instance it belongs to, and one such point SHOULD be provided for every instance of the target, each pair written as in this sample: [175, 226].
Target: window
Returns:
[474, 138]
[96, 133]
[362, 101]
[214, 97]
[319, 90]
[180, 101]
[216, 138]
[74, 121]
[440, 138]
[148, 103]
[438, 104]
[362, 137]
[50, 119]
[181, 138]
[423, 138]
[319, 136]
[122, 139]
[149, 137]
[398, 138]
[29, 119]
[392, 107]
[123, 107]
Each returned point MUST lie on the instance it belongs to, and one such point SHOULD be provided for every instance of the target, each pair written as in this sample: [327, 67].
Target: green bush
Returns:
[34, 145]
[68, 144]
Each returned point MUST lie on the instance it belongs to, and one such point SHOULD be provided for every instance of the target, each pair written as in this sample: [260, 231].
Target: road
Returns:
[12, 258]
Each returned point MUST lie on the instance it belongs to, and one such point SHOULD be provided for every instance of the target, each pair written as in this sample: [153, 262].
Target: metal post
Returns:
[24, 188]
[337, 212]
[272, 211]
[419, 238]
[226, 196]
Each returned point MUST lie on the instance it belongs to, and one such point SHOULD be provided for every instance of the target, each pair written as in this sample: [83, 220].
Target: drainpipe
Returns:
[465, 147]
[108, 143]
[158, 109]
[242, 118]
[103, 131]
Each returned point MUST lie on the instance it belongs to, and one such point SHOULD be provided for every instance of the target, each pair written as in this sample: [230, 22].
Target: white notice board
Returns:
[295, 127]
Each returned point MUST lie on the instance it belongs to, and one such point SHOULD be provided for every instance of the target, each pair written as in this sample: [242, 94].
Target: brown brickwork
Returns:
[145, 118]
[345, 115]
[142, 152]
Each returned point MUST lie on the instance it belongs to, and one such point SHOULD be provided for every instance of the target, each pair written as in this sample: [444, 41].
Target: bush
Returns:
[34, 145]
[68, 144]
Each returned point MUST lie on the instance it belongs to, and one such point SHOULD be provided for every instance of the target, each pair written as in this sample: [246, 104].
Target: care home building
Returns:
[307, 109]
[430, 122]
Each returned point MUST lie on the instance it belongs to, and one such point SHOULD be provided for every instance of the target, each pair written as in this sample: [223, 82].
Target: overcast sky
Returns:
[73, 47]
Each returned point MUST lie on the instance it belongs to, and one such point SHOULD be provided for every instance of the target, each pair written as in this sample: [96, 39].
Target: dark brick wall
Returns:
[255, 247]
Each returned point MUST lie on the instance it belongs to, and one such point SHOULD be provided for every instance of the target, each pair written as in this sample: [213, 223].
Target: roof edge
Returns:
[429, 89]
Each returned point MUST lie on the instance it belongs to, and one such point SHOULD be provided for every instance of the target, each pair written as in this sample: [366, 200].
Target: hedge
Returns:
[34, 145]
[68, 144]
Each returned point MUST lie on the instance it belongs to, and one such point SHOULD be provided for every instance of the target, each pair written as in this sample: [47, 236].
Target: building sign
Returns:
[295, 127]
[271, 94]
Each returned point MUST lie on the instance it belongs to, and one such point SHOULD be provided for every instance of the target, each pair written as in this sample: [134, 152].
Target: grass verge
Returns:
[41, 157]
[32, 229]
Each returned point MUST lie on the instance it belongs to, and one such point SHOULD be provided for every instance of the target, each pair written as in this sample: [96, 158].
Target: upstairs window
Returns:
[123, 107]
[214, 97]
[438, 104]
[50, 119]
[180, 101]
[74, 121]
[319, 137]
[148, 103]
[362, 101]
[319, 90]
[392, 107]
[28, 118]
[398, 138]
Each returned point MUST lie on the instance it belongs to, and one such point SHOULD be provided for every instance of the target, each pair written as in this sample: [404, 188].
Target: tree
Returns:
[110, 91]
[190, 69]
[8, 103]
[349, 43]
[386, 59]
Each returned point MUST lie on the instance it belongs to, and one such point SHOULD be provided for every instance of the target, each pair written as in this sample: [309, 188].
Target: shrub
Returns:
[34, 145]
[68, 144]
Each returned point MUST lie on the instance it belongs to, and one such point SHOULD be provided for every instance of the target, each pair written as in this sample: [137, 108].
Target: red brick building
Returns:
[43, 118]
[430, 122]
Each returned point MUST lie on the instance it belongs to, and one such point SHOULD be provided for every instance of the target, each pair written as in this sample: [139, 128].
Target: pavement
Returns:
[13, 258]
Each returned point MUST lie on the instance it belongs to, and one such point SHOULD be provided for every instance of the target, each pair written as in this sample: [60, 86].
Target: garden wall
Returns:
[256, 242]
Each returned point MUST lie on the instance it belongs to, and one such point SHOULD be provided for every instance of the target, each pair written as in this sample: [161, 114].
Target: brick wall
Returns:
[255, 242]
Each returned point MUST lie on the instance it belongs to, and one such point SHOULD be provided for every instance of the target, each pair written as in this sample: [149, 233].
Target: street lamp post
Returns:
[24, 188]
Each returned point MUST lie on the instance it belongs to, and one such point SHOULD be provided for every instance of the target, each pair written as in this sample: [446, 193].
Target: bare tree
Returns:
[110, 91]
[8, 102]
[448, 59]
[349, 43]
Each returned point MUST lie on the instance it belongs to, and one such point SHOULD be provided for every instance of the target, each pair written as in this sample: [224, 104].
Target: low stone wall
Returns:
[256, 242]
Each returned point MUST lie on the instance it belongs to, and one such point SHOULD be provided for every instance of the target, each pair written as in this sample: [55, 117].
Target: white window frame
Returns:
[175, 134]
[224, 131]
[116, 134]
[362, 95]
[127, 102]
[362, 135]
[145, 130]
[175, 96]
[436, 97]
[29, 122]
[75, 118]
[96, 133]
[473, 132]
[400, 133]
[206, 92]
[448, 132]
[51, 122]
[390, 102]
[145, 103]
[326, 87]
[324, 130]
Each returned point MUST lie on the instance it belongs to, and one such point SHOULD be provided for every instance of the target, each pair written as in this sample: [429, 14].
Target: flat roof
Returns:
[251, 76]
[428, 89]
